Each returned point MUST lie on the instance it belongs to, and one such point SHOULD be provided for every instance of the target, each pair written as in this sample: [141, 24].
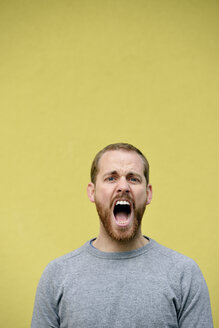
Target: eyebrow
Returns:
[134, 174]
[128, 174]
[111, 173]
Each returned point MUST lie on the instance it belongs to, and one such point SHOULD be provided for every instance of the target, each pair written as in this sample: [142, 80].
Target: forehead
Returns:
[120, 160]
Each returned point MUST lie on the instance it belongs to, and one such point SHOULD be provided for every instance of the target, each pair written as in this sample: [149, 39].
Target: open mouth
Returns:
[122, 211]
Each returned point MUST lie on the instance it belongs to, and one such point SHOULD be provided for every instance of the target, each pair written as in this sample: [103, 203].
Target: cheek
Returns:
[102, 196]
[141, 197]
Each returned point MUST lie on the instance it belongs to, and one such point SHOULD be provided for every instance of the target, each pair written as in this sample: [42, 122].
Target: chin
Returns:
[122, 235]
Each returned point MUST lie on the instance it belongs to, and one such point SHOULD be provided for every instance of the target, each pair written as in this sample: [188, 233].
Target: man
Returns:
[122, 278]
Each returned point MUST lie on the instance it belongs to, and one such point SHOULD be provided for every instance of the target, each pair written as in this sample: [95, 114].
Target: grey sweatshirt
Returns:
[151, 287]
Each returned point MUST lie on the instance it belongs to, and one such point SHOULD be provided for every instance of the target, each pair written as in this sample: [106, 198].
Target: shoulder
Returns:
[189, 285]
[174, 263]
[182, 272]
[171, 256]
[58, 268]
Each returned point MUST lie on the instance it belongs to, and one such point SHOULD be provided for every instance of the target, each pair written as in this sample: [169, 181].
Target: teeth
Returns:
[122, 222]
[122, 202]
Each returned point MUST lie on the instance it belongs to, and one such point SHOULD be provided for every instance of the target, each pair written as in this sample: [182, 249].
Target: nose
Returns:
[122, 185]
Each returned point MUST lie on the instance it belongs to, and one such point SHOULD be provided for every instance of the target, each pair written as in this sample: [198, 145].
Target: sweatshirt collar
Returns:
[118, 255]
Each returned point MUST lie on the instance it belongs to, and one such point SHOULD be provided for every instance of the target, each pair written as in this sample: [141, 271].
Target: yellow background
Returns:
[78, 75]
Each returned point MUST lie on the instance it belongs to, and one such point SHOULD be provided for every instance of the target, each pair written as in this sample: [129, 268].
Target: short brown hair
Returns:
[117, 146]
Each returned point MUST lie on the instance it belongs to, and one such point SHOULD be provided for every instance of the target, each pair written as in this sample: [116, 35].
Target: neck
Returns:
[107, 244]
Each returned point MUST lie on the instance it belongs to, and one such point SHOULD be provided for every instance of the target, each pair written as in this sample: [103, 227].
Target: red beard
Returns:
[121, 234]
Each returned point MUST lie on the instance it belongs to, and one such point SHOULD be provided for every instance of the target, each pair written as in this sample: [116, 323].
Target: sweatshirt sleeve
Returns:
[45, 313]
[195, 308]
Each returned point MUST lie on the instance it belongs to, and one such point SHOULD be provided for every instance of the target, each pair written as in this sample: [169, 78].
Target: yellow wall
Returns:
[77, 75]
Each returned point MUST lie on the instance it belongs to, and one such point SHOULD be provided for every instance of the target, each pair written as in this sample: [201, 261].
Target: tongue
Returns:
[121, 216]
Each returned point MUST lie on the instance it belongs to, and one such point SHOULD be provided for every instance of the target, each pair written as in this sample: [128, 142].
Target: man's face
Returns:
[121, 193]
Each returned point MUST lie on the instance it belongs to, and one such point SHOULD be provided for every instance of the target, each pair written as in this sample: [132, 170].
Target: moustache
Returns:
[124, 196]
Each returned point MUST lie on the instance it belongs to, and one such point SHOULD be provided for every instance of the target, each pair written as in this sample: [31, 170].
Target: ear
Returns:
[91, 192]
[149, 194]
